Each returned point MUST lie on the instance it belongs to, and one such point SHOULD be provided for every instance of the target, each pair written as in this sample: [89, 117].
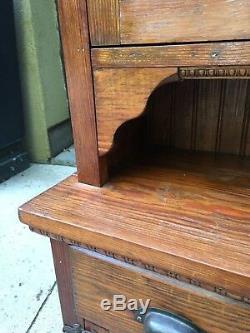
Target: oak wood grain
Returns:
[175, 214]
[93, 328]
[246, 123]
[164, 21]
[104, 22]
[183, 212]
[232, 123]
[121, 95]
[211, 115]
[62, 265]
[207, 54]
[75, 41]
[96, 277]
[208, 115]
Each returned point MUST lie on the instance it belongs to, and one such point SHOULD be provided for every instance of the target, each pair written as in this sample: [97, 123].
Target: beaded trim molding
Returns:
[218, 290]
[214, 72]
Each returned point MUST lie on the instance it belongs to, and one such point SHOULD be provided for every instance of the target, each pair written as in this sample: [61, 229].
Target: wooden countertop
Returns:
[185, 213]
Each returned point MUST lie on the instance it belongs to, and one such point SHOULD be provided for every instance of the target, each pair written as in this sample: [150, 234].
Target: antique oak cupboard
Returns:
[159, 209]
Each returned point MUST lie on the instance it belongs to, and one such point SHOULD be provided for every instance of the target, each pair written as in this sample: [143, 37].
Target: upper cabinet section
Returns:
[128, 22]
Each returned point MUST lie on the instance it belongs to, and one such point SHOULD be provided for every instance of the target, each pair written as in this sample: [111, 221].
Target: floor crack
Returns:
[41, 307]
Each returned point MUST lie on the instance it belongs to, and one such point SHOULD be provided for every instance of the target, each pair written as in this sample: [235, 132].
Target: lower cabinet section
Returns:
[114, 296]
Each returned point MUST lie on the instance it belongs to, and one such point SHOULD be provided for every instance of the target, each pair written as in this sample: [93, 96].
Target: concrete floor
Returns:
[28, 295]
[67, 157]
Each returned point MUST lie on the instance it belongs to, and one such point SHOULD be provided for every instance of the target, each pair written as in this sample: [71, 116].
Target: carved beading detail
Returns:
[214, 72]
[217, 289]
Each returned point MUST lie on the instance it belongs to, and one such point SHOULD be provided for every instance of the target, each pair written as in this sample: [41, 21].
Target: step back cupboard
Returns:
[159, 208]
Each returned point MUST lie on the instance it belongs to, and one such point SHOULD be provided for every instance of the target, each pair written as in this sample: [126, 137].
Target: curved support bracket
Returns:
[122, 94]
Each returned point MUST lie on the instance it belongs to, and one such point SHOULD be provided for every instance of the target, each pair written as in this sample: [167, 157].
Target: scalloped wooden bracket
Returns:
[122, 94]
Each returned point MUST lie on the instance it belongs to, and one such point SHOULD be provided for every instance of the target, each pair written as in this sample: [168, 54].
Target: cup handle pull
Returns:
[159, 321]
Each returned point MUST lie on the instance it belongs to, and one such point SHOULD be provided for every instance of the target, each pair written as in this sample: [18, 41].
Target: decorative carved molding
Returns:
[218, 290]
[214, 72]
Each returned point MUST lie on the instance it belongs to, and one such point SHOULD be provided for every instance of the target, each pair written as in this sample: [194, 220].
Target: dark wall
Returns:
[11, 123]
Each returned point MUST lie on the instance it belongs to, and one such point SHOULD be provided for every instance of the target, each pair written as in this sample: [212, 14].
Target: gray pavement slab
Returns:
[27, 273]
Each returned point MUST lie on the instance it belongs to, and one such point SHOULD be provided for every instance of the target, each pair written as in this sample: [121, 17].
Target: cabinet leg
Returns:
[63, 275]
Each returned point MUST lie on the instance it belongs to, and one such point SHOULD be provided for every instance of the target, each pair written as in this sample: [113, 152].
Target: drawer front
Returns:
[97, 277]
[114, 22]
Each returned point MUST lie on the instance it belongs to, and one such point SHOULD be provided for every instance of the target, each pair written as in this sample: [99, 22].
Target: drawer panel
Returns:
[114, 22]
[161, 21]
[97, 277]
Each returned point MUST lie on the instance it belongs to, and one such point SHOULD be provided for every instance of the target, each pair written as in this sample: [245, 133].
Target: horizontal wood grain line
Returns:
[207, 54]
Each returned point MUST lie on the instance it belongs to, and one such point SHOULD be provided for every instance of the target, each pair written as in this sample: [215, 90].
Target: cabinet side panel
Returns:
[75, 41]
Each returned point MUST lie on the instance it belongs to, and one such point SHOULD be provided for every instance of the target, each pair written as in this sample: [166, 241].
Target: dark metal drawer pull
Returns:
[159, 321]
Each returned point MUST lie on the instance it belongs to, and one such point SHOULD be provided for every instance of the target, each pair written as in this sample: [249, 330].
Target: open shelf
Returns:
[193, 115]
[166, 203]
[191, 209]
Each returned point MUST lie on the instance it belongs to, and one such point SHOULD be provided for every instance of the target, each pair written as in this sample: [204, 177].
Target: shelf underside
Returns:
[181, 212]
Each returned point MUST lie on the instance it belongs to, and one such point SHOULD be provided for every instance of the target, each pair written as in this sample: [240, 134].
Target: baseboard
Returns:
[60, 137]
